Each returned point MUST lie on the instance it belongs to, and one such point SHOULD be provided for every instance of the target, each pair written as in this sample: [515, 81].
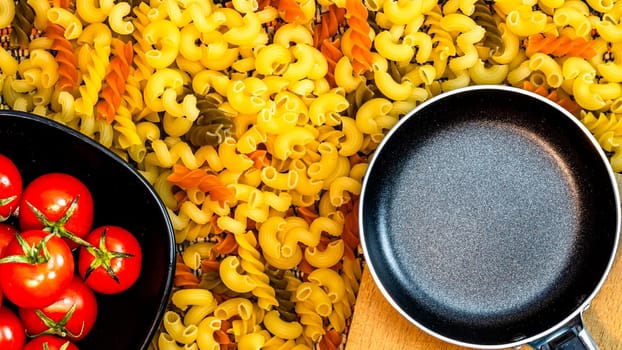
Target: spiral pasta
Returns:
[65, 56]
[115, 80]
[560, 46]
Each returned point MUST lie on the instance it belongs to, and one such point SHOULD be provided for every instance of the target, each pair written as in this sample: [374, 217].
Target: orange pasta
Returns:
[290, 11]
[260, 158]
[222, 337]
[115, 80]
[330, 50]
[226, 245]
[210, 265]
[328, 24]
[331, 340]
[307, 213]
[65, 57]
[184, 277]
[350, 234]
[61, 3]
[356, 43]
[559, 46]
[566, 102]
[261, 4]
[198, 178]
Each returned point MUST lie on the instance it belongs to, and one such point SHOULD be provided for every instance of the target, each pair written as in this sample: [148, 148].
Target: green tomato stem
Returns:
[33, 255]
[58, 227]
[5, 201]
[103, 258]
[57, 328]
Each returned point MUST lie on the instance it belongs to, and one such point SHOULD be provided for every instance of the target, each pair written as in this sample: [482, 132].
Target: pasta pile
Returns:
[255, 119]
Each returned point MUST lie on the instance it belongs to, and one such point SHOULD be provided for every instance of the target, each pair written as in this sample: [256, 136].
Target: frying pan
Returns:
[490, 219]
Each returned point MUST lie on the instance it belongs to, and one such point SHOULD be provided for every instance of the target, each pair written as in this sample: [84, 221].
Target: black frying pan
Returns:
[490, 218]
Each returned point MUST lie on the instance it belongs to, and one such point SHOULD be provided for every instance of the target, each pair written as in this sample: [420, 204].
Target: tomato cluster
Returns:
[53, 262]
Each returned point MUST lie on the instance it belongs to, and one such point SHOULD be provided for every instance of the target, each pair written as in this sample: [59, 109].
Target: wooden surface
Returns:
[376, 325]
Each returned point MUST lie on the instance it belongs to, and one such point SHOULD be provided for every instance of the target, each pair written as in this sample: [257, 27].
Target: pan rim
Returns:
[588, 299]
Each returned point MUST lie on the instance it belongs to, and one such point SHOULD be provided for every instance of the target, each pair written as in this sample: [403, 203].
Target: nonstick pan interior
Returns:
[488, 217]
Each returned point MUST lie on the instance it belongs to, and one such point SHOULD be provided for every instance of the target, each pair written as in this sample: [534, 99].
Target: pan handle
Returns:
[572, 336]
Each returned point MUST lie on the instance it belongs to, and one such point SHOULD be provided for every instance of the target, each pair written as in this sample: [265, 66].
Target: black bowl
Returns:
[122, 197]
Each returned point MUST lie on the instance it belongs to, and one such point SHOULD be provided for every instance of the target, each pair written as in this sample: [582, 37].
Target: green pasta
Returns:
[212, 125]
[482, 15]
[23, 24]
[356, 98]
[286, 307]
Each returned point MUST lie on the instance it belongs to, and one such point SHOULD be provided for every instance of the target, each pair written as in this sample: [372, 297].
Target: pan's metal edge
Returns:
[612, 179]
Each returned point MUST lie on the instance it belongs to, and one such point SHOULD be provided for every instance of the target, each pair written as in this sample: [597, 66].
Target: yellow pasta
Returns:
[570, 16]
[116, 19]
[94, 11]
[305, 60]
[524, 22]
[40, 7]
[250, 33]
[330, 280]
[183, 298]
[177, 330]
[69, 21]
[551, 69]
[291, 143]
[326, 258]
[232, 278]
[247, 95]
[234, 307]
[470, 33]
[7, 12]
[280, 328]
[194, 253]
[205, 339]
[326, 108]
[165, 37]
[8, 63]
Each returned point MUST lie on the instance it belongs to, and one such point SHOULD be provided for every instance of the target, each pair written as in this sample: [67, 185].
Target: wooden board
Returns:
[376, 325]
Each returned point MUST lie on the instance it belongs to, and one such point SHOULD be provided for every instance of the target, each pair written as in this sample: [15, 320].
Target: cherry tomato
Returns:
[71, 316]
[7, 232]
[112, 264]
[50, 342]
[59, 203]
[12, 335]
[10, 187]
[37, 266]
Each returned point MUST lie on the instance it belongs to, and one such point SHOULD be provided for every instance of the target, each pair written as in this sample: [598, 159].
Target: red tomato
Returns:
[71, 316]
[36, 268]
[7, 232]
[113, 263]
[12, 335]
[10, 187]
[58, 203]
[50, 342]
